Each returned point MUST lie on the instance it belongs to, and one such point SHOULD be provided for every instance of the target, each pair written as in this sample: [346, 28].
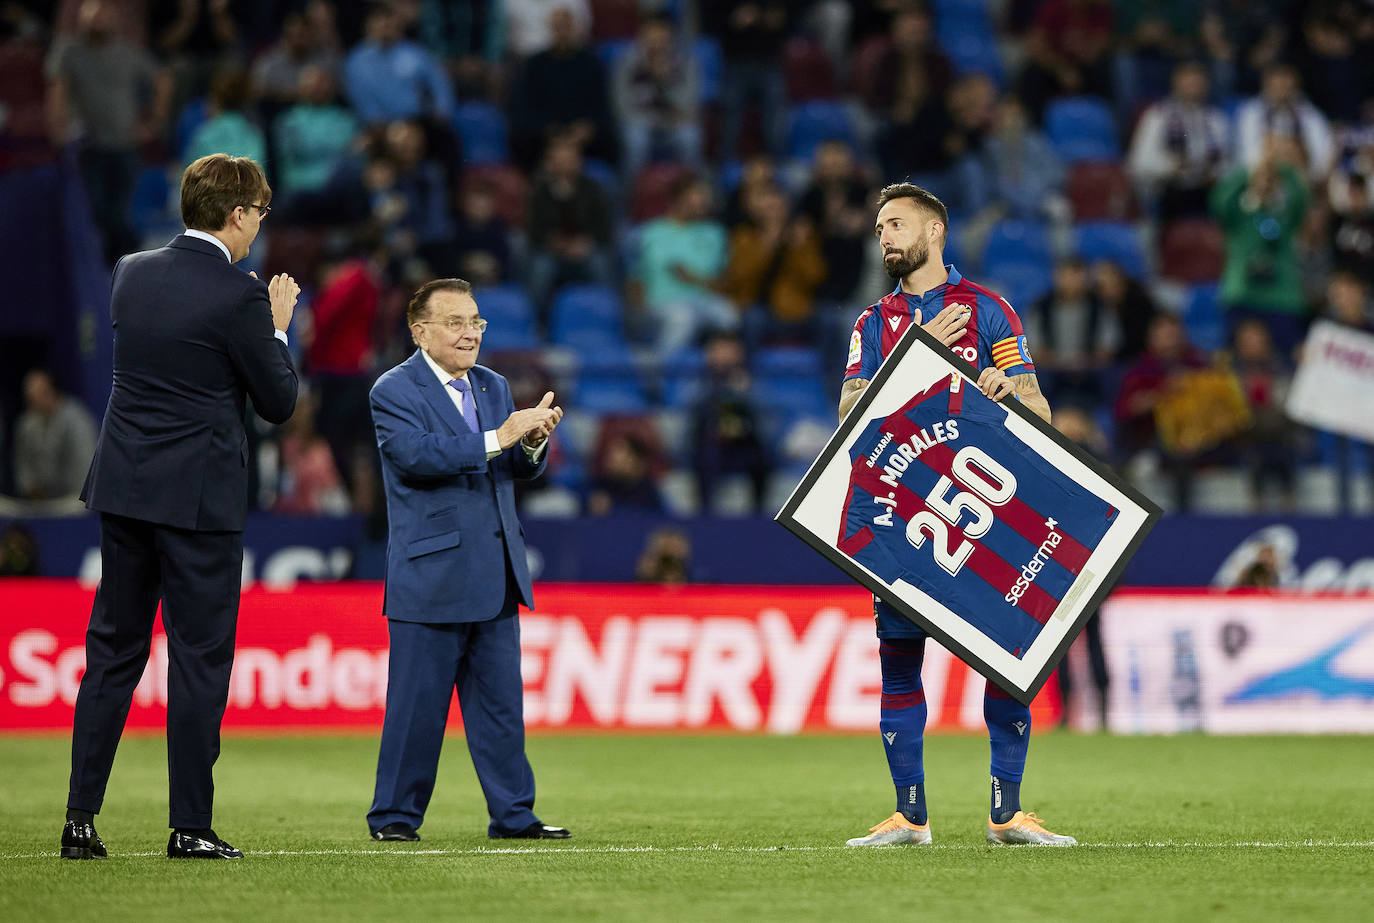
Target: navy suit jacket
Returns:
[452, 528]
[192, 336]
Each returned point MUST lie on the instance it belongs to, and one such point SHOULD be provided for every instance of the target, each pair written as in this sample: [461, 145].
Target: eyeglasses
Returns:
[454, 324]
[263, 210]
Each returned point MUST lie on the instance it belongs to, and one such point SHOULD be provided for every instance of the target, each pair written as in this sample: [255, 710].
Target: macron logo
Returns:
[891, 736]
[1020, 727]
[894, 321]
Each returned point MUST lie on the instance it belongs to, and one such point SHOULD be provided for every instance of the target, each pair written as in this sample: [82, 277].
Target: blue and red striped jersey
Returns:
[943, 496]
[993, 335]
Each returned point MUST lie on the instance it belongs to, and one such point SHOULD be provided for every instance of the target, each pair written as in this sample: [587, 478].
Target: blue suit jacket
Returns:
[192, 336]
[452, 527]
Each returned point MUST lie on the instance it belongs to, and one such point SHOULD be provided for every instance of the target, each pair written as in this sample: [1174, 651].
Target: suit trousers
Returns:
[428, 662]
[196, 575]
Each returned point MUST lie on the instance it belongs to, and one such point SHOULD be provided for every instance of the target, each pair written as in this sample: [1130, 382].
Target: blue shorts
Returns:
[892, 624]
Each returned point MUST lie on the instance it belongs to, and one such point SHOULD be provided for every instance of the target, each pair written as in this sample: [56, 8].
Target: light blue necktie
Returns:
[469, 409]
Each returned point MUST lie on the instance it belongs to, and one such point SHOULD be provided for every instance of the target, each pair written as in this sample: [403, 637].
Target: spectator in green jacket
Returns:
[228, 131]
[1261, 211]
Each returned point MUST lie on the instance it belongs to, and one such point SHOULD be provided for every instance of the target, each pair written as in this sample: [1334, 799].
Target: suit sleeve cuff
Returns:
[493, 445]
[281, 335]
[534, 454]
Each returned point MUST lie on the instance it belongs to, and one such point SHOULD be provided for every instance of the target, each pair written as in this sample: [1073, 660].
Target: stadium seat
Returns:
[1100, 191]
[780, 361]
[1082, 128]
[808, 71]
[599, 393]
[969, 11]
[1013, 241]
[710, 66]
[653, 187]
[1108, 240]
[192, 116]
[610, 53]
[973, 51]
[811, 123]
[482, 128]
[1020, 282]
[508, 185]
[149, 208]
[681, 377]
[510, 316]
[1192, 250]
[786, 397]
[613, 19]
[1202, 317]
[588, 318]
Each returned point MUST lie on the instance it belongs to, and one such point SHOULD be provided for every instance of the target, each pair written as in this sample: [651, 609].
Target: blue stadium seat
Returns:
[968, 11]
[784, 361]
[1012, 241]
[682, 374]
[1110, 240]
[149, 208]
[192, 116]
[601, 392]
[972, 51]
[510, 316]
[482, 127]
[1082, 128]
[1020, 282]
[587, 317]
[791, 396]
[610, 52]
[1202, 317]
[710, 67]
[810, 124]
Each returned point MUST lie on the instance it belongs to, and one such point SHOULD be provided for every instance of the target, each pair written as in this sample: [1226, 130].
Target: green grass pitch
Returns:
[707, 828]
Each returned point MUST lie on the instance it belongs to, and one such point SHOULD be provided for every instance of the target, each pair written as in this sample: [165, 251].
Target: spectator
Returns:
[774, 269]
[196, 37]
[725, 424]
[18, 552]
[1347, 301]
[54, 439]
[1261, 211]
[666, 559]
[388, 77]
[569, 226]
[1353, 236]
[758, 174]
[1333, 57]
[310, 482]
[1068, 53]
[1268, 449]
[681, 258]
[315, 143]
[656, 91]
[1167, 359]
[626, 483]
[1241, 38]
[279, 72]
[1282, 110]
[1180, 147]
[529, 27]
[1127, 310]
[1074, 341]
[1151, 36]
[97, 80]
[341, 358]
[562, 91]
[1017, 173]
[751, 36]
[836, 204]
[1263, 573]
[228, 130]
[482, 243]
[410, 195]
[916, 129]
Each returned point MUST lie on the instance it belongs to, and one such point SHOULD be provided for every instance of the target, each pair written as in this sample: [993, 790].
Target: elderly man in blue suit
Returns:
[452, 444]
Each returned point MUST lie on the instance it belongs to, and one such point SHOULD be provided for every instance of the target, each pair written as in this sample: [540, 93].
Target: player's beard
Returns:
[911, 259]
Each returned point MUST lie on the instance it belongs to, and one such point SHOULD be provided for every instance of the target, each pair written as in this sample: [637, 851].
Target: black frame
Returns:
[857, 415]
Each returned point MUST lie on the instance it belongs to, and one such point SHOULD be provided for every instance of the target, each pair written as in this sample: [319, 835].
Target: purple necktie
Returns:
[469, 409]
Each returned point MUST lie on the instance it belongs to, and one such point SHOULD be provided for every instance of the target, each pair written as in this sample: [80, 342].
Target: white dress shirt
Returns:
[203, 235]
[489, 436]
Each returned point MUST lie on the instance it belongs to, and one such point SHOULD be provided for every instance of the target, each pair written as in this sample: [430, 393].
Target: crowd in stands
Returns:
[666, 208]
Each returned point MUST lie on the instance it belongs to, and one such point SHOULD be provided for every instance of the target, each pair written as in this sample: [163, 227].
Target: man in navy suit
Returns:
[192, 336]
[452, 445]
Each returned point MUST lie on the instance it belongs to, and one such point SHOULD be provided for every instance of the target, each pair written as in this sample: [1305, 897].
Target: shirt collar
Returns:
[954, 279]
[202, 235]
[444, 377]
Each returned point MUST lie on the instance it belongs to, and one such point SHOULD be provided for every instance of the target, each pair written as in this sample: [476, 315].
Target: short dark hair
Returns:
[216, 184]
[419, 302]
[924, 198]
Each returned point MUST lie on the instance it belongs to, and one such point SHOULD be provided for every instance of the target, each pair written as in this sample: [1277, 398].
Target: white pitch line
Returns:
[717, 848]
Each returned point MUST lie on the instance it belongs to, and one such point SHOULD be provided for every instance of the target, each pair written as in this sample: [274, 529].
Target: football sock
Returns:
[80, 817]
[1006, 800]
[902, 720]
[1009, 727]
[911, 802]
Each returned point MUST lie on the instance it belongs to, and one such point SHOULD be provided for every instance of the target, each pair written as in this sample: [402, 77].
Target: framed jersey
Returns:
[976, 520]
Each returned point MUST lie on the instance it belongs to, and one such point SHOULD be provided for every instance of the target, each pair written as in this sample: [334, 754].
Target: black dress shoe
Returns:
[194, 846]
[396, 831]
[80, 841]
[535, 831]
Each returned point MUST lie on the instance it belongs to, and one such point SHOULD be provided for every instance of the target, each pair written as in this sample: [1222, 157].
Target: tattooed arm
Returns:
[1027, 387]
[849, 394]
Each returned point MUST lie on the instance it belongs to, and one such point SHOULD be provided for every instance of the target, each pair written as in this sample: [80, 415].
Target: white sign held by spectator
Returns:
[1331, 390]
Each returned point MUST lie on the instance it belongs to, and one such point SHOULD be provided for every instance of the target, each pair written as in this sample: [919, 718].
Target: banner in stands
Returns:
[1239, 663]
[774, 660]
[1332, 386]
